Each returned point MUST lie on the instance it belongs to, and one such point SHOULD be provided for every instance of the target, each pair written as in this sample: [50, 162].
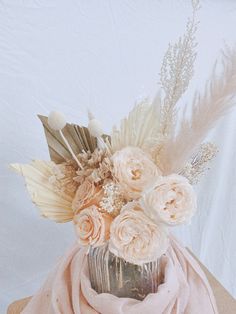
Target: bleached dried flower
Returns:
[63, 178]
[97, 167]
[113, 200]
[198, 164]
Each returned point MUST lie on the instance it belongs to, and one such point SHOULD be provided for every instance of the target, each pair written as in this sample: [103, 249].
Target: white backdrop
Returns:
[67, 55]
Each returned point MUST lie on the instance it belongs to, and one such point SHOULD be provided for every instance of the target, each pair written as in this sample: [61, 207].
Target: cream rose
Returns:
[134, 237]
[86, 195]
[171, 200]
[134, 170]
[92, 227]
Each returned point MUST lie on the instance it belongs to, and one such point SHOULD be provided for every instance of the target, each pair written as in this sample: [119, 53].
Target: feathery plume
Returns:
[218, 98]
[199, 162]
[177, 71]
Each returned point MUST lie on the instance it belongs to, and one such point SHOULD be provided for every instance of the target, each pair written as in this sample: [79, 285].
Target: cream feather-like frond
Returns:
[218, 98]
[53, 204]
[176, 72]
[141, 128]
[199, 162]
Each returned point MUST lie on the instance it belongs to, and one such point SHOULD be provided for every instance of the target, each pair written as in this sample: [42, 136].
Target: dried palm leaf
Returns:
[78, 137]
[218, 98]
[53, 204]
[140, 128]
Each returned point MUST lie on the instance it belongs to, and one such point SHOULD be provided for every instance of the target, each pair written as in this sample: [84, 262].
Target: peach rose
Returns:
[134, 170]
[134, 237]
[86, 195]
[92, 227]
[171, 200]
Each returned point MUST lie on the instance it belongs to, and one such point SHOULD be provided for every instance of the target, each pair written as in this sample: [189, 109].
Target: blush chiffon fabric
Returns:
[68, 290]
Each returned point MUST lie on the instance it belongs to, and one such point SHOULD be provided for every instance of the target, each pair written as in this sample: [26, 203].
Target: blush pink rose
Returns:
[87, 194]
[92, 227]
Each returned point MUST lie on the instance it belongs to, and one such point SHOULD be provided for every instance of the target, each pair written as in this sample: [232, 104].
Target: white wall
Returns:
[68, 55]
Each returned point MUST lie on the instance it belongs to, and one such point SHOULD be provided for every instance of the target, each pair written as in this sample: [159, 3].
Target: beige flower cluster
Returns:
[137, 228]
[62, 178]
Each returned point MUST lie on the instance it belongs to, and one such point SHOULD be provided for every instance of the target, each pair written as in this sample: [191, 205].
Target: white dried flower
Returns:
[56, 120]
[95, 128]
[199, 162]
[112, 201]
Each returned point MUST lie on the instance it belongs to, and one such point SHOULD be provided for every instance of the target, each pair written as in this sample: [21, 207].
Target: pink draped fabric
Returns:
[68, 289]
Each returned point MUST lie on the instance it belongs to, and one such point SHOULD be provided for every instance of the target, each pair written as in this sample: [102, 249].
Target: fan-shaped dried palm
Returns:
[53, 204]
[140, 128]
[78, 137]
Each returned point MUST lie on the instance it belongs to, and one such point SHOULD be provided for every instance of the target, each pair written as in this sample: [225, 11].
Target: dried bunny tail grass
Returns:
[177, 71]
[53, 203]
[199, 162]
[218, 98]
[140, 127]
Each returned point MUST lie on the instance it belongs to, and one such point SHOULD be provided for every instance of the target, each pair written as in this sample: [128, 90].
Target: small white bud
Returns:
[90, 115]
[56, 120]
[95, 128]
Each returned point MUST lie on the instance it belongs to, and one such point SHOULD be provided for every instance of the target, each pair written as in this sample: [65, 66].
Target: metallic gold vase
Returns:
[111, 274]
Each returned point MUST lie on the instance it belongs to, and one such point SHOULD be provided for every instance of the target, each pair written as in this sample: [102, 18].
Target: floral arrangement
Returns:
[129, 188]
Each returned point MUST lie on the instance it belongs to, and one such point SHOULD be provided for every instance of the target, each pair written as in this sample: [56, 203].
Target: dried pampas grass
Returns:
[217, 99]
[176, 72]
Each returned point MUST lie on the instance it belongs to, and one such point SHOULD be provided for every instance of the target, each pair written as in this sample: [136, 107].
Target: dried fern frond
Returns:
[53, 203]
[141, 128]
[199, 162]
[218, 98]
[177, 71]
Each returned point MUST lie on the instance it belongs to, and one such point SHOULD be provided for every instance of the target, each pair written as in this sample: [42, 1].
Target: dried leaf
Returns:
[53, 204]
[140, 128]
[78, 137]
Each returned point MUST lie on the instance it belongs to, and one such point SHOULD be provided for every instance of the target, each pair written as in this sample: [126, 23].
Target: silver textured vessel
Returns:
[111, 274]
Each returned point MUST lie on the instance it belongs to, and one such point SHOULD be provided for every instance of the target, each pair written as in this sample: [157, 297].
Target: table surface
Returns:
[225, 302]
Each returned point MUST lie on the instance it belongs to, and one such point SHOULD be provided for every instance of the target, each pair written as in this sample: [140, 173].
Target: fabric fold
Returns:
[68, 290]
